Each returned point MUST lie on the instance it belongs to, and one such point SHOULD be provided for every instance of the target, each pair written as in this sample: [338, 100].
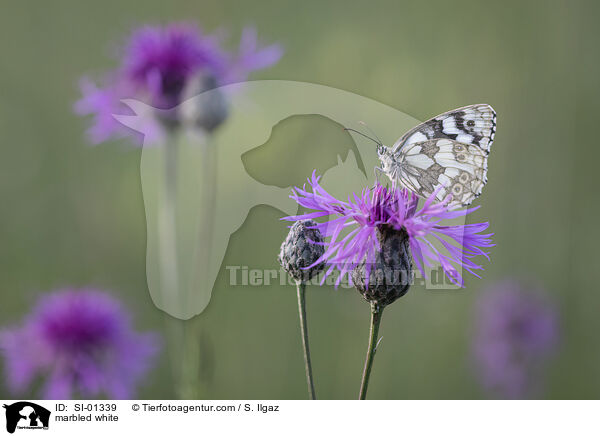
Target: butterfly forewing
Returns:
[471, 125]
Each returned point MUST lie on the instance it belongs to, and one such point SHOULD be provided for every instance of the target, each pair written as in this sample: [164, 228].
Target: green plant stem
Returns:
[189, 383]
[190, 360]
[167, 249]
[182, 333]
[376, 314]
[206, 223]
[301, 287]
[168, 219]
[184, 352]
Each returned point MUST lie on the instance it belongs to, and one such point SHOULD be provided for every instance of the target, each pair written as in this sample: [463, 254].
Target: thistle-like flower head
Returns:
[300, 251]
[516, 331]
[82, 343]
[352, 230]
[157, 66]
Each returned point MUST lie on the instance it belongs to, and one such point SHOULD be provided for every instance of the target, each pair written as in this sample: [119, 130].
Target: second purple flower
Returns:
[158, 64]
[81, 342]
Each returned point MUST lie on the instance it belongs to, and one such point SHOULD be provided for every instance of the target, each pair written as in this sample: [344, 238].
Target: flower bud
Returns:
[299, 251]
[391, 274]
[206, 107]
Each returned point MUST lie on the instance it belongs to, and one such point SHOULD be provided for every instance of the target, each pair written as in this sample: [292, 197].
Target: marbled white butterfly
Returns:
[448, 152]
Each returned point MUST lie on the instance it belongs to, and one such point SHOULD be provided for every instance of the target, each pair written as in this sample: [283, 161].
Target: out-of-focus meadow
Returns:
[73, 215]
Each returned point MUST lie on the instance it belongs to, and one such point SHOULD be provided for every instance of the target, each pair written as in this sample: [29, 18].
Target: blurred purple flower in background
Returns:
[516, 331]
[158, 61]
[156, 66]
[380, 206]
[82, 343]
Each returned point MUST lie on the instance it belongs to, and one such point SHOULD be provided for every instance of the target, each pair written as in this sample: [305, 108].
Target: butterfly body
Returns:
[390, 165]
[447, 154]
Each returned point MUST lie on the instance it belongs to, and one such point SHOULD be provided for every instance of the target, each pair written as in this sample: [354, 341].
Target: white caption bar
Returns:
[300, 417]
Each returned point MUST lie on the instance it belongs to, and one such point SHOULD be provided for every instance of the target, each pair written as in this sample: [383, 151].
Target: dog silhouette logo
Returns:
[26, 415]
[179, 273]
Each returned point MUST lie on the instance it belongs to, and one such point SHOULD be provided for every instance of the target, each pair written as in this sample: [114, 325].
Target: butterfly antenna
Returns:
[362, 134]
[370, 131]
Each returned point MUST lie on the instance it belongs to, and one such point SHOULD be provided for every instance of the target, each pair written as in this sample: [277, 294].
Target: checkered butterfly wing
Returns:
[453, 167]
[473, 125]
[448, 152]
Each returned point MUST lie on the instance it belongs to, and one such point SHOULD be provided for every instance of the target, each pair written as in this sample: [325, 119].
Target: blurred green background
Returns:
[72, 215]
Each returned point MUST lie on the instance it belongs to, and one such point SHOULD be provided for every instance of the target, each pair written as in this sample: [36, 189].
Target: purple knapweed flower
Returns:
[360, 216]
[516, 331]
[251, 57]
[81, 343]
[156, 66]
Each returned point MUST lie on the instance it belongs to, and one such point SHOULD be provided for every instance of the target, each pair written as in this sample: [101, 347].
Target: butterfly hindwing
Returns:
[460, 169]
[472, 125]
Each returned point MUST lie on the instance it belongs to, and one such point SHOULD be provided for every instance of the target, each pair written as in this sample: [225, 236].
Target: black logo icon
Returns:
[24, 414]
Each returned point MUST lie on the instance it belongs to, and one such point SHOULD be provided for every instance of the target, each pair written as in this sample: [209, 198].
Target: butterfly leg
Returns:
[377, 171]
